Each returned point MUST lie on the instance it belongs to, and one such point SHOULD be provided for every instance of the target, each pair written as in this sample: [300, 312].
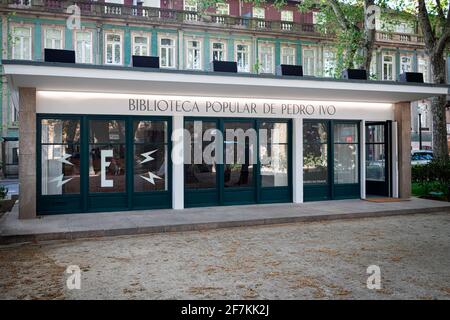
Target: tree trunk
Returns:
[440, 146]
[369, 37]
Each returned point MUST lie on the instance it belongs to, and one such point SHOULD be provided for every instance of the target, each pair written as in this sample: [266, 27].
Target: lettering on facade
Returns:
[215, 107]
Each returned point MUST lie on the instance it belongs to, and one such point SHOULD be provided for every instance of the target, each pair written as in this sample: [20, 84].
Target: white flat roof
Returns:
[90, 78]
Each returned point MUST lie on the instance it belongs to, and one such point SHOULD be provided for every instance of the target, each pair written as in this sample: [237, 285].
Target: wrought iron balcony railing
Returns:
[158, 15]
[140, 13]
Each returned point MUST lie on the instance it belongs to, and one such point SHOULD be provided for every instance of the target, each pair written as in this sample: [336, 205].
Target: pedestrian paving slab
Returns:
[72, 226]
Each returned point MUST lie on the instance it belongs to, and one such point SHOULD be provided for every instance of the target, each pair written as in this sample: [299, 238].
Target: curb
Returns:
[72, 235]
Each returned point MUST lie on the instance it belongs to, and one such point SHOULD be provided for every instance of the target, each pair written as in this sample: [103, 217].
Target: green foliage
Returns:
[3, 192]
[431, 178]
[433, 171]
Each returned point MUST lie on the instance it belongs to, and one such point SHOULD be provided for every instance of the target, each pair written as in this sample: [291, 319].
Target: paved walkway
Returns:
[71, 226]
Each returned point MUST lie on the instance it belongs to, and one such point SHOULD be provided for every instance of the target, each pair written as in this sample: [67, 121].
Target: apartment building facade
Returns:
[100, 134]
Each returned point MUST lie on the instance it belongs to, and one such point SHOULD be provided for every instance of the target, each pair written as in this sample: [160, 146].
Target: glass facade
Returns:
[60, 156]
[330, 159]
[97, 163]
[346, 154]
[315, 152]
[123, 162]
[237, 161]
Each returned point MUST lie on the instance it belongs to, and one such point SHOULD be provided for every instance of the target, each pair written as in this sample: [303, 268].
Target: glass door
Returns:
[240, 159]
[274, 161]
[107, 167]
[377, 159]
[316, 173]
[346, 166]
[201, 178]
[330, 160]
[237, 161]
[151, 163]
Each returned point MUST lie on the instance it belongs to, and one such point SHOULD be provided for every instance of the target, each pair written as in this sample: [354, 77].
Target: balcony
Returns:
[399, 38]
[141, 14]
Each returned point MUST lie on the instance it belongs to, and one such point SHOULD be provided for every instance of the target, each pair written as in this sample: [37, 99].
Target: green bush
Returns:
[3, 192]
[430, 178]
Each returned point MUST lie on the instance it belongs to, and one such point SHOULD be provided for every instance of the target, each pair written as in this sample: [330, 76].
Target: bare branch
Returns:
[440, 11]
[340, 16]
[428, 33]
[443, 42]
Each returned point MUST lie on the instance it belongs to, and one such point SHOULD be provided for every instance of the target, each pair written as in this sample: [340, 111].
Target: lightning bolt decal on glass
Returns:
[60, 181]
[151, 176]
[64, 158]
[147, 157]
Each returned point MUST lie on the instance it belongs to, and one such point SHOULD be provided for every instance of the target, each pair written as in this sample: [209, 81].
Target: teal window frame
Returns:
[104, 202]
[221, 196]
[332, 190]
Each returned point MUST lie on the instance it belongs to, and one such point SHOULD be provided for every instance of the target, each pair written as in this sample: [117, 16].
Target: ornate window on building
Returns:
[423, 67]
[266, 58]
[329, 63]
[53, 38]
[259, 13]
[194, 55]
[223, 9]
[113, 48]
[21, 43]
[288, 55]
[373, 67]
[83, 47]
[192, 6]
[167, 49]
[388, 67]
[218, 51]
[243, 57]
[309, 62]
[406, 64]
[287, 18]
[141, 45]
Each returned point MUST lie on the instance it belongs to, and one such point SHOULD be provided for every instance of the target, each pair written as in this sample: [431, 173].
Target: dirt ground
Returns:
[320, 260]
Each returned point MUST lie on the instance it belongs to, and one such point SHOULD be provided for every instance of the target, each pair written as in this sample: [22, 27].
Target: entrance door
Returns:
[254, 167]
[377, 159]
[240, 162]
[150, 153]
[107, 177]
[330, 160]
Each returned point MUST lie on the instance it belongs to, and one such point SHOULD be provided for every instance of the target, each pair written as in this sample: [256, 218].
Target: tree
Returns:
[434, 18]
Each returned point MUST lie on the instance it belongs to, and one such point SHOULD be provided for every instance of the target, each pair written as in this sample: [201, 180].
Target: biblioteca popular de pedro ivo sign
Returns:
[229, 107]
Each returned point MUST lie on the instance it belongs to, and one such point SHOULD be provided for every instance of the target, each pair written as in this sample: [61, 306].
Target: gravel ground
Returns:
[320, 260]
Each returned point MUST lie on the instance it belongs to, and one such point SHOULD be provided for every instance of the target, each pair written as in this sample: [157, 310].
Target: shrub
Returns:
[3, 192]
[432, 177]
[435, 171]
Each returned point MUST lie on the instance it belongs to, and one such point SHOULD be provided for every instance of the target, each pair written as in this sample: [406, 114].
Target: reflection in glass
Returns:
[276, 132]
[60, 131]
[154, 132]
[274, 165]
[200, 175]
[239, 155]
[375, 133]
[115, 171]
[346, 153]
[345, 163]
[375, 162]
[60, 169]
[106, 131]
[315, 153]
[345, 133]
